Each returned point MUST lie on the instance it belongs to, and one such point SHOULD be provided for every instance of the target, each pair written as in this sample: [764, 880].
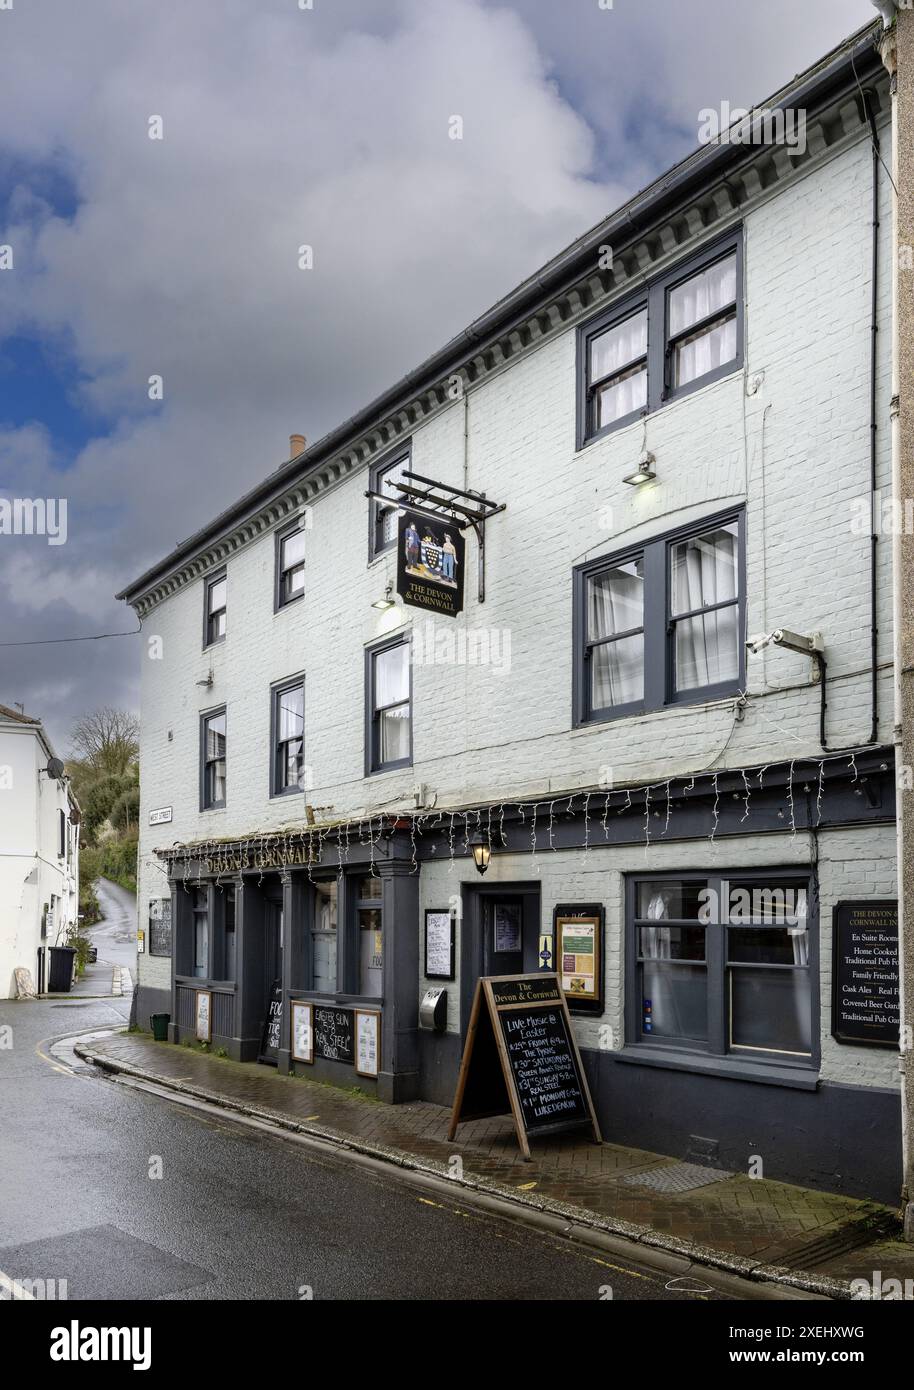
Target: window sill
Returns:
[730, 1067]
[642, 712]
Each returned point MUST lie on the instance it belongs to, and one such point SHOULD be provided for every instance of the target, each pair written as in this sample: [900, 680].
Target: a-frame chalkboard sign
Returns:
[521, 1058]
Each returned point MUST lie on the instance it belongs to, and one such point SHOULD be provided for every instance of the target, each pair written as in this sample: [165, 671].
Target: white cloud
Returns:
[283, 127]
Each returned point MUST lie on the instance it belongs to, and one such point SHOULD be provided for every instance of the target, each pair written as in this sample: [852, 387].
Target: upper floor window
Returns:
[681, 331]
[388, 706]
[384, 477]
[214, 609]
[212, 760]
[290, 565]
[288, 737]
[661, 623]
[62, 834]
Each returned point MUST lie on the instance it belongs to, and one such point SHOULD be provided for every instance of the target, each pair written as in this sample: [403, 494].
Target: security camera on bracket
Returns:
[812, 646]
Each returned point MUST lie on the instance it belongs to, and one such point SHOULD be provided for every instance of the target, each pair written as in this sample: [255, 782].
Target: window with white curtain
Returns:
[722, 965]
[288, 737]
[704, 608]
[618, 370]
[702, 322]
[615, 635]
[661, 625]
[682, 330]
[389, 706]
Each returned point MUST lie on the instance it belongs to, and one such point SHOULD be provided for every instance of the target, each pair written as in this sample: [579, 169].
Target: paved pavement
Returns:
[760, 1228]
[114, 971]
[126, 1195]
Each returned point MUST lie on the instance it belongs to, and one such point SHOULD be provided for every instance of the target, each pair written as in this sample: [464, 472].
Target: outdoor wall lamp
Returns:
[644, 472]
[387, 601]
[482, 851]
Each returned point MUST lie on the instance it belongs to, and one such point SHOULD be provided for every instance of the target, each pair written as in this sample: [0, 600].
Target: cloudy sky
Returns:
[285, 125]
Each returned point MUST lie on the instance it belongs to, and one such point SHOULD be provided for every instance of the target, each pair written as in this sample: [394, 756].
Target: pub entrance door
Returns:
[500, 936]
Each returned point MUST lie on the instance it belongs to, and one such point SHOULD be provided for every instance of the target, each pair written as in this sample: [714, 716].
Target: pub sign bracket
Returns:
[441, 502]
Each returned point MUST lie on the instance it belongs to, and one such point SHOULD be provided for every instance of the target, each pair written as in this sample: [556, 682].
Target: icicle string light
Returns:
[251, 853]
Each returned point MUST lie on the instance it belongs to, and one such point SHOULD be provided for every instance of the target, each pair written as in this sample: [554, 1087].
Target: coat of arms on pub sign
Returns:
[430, 564]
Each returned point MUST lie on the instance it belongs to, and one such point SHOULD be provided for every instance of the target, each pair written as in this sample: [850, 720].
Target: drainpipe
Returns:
[867, 104]
[897, 48]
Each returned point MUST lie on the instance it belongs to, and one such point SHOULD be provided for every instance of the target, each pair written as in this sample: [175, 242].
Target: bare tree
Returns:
[107, 739]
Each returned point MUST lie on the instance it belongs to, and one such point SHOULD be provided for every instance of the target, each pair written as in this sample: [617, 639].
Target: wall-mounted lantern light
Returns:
[482, 851]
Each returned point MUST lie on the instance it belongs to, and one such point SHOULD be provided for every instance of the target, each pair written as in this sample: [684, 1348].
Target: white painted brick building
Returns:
[39, 852]
[776, 441]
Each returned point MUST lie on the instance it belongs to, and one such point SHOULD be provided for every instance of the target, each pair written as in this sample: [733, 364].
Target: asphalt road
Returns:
[115, 935]
[236, 1213]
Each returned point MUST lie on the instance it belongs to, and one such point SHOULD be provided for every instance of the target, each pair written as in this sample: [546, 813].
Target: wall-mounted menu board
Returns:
[578, 936]
[368, 1041]
[302, 1043]
[865, 993]
[203, 1015]
[333, 1033]
[439, 943]
[521, 1058]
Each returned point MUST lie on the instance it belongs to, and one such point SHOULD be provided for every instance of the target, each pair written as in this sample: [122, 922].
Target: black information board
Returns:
[865, 987]
[542, 1062]
[272, 1027]
[521, 1057]
[333, 1033]
[160, 926]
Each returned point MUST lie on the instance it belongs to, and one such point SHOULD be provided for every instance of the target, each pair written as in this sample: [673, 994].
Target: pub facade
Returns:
[572, 652]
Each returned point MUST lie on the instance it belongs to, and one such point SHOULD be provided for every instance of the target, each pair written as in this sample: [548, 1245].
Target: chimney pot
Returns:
[297, 443]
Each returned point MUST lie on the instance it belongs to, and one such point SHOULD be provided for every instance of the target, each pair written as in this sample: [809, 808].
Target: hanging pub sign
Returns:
[430, 561]
[521, 1058]
[578, 936]
[865, 990]
[272, 1027]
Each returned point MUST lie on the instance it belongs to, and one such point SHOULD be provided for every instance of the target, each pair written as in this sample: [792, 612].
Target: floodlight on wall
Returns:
[387, 601]
[644, 473]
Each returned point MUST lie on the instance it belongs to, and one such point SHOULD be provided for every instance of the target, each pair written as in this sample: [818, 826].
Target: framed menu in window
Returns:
[439, 944]
[367, 1042]
[578, 954]
[302, 1031]
[203, 1014]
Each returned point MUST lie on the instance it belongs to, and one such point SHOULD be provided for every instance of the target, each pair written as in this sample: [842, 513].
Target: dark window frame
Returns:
[373, 765]
[210, 581]
[349, 904]
[657, 625]
[205, 716]
[282, 535]
[717, 1049]
[655, 298]
[61, 834]
[277, 690]
[401, 454]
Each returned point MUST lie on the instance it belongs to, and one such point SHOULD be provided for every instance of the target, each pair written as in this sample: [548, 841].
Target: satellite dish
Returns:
[55, 768]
